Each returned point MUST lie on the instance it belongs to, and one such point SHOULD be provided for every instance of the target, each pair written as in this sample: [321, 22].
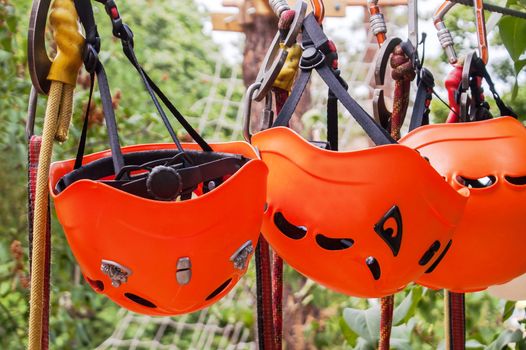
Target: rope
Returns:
[386, 321]
[455, 323]
[402, 73]
[40, 223]
[264, 296]
[33, 152]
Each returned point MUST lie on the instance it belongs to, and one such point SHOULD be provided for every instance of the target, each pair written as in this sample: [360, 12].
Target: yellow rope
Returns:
[40, 217]
[66, 110]
[63, 76]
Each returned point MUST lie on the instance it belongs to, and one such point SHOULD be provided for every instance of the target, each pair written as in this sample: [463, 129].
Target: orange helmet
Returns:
[364, 223]
[161, 257]
[489, 158]
[134, 241]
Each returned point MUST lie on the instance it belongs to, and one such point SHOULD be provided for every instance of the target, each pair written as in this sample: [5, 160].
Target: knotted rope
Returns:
[402, 73]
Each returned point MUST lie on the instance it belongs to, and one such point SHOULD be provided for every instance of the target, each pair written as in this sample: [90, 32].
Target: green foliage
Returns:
[512, 31]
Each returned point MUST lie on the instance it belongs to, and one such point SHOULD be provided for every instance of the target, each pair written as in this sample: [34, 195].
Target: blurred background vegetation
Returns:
[172, 45]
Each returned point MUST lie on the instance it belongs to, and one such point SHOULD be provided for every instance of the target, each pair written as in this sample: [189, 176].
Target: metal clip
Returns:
[444, 35]
[38, 59]
[116, 272]
[241, 257]
[381, 114]
[247, 109]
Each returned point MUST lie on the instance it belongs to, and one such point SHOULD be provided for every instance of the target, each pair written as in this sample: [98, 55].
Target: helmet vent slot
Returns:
[97, 285]
[141, 301]
[517, 181]
[429, 254]
[439, 259]
[482, 182]
[288, 229]
[219, 289]
[329, 243]
[374, 267]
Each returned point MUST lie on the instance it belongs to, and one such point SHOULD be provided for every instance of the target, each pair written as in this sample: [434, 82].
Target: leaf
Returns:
[350, 336]
[406, 309]
[474, 344]
[519, 65]
[509, 307]
[505, 338]
[401, 335]
[366, 323]
[512, 31]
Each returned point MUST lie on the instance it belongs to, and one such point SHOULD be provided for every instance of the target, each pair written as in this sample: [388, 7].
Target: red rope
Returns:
[402, 73]
[457, 321]
[264, 300]
[386, 321]
[33, 158]
[277, 263]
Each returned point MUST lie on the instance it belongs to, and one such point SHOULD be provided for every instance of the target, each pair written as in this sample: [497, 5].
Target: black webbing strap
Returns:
[125, 34]
[290, 105]
[504, 110]
[424, 94]
[313, 37]
[95, 68]
[332, 121]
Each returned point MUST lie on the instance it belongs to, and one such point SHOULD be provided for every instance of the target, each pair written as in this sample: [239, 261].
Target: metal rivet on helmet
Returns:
[116, 272]
[241, 257]
[184, 271]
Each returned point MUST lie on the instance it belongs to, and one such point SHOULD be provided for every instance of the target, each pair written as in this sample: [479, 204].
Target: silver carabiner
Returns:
[247, 109]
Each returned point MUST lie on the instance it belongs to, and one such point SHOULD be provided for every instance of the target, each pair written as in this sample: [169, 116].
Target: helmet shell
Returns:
[364, 223]
[487, 248]
[161, 244]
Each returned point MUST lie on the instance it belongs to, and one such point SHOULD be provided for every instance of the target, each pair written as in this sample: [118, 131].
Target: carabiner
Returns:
[277, 55]
[318, 8]
[38, 59]
[377, 21]
[444, 35]
[247, 109]
[31, 113]
[381, 113]
[478, 5]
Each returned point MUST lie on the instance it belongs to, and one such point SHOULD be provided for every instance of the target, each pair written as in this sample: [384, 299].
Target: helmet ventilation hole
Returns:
[329, 243]
[97, 285]
[374, 267]
[439, 259]
[429, 254]
[288, 229]
[141, 301]
[482, 182]
[517, 181]
[219, 290]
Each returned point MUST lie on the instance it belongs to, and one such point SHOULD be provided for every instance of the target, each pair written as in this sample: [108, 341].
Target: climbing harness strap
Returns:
[315, 50]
